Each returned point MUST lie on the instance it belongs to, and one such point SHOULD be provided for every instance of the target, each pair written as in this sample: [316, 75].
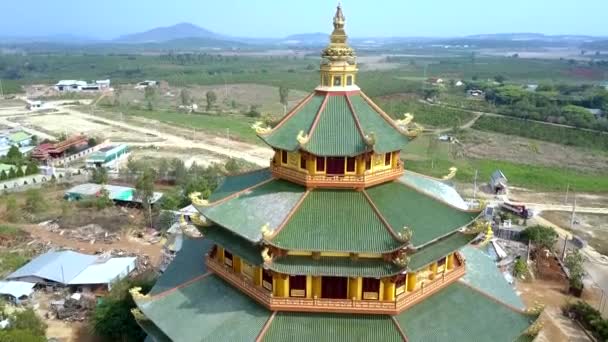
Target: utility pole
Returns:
[475, 185]
[571, 228]
[567, 189]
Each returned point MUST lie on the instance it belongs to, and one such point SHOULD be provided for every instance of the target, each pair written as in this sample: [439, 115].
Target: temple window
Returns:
[335, 165]
[321, 164]
[284, 157]
[368, 163]
[400, 282]
[441, 262]
[227, 258]
[297, 286]
[387, 159]
[267, 280]
[371, 288]
[349, 80]
[326, 80]
[350, 164]
[303, 162]
[337, 81]
[334, 287]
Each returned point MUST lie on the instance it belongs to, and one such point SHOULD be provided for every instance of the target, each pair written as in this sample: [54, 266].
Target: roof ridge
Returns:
[380, 111]
[180, 286]
[314, 124]
[436, 198]
[238, 193]
[355, 117]
[266, 326]
[291, 113]
[290, 214]
[387, 225]
[492, 298]
[399, 329]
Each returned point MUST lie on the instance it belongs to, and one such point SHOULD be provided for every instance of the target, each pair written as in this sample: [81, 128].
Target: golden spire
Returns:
[338, 49]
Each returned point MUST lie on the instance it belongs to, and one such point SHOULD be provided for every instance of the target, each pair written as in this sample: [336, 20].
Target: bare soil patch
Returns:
[591, 227]
[483, 145]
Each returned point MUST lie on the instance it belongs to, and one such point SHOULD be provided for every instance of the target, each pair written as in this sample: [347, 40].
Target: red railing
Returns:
[266, 298]
[303, 178]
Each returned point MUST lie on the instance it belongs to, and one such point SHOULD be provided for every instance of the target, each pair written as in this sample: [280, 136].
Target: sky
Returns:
[108, 19]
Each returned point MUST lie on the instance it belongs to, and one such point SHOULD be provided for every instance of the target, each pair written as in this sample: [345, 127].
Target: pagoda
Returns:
[334, 240]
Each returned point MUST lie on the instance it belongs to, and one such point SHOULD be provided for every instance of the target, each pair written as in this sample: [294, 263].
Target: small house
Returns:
[476, 93]
[498, 182]
[70, 85]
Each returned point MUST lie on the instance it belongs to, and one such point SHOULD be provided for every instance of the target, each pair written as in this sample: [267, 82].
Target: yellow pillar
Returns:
[355, 288]
[449, 262]
[220, 254]
[360, 166]
[389, 290]
[411, 281]
[316, 287]
[308, 286]
[433, 269]
[236, 264]
[285, 286]
[281, 285]
[395, 159]
[311, 165]
[257, 276]
[381, 291]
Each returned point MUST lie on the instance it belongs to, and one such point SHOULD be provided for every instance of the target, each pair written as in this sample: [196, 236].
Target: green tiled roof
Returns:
[285, 136]
[205, 310]
[483, 274]
[439, 249]
[233, 243]
[154, 333]
[458, 313]
[234, 184]
[435, 188]
[295, 327]
[336, 221]
[388, 139]
[245, 214]
[334, 266]
[336, 134]
[188, 264]
[427, 217]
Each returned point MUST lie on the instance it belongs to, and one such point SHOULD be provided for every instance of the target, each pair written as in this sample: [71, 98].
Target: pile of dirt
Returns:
[111, 220]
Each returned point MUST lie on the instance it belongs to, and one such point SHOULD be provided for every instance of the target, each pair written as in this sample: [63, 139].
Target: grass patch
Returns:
[528, 176]
[11, 261]
[424, 114]
[545, 132]
[238, 126]
[9, 231]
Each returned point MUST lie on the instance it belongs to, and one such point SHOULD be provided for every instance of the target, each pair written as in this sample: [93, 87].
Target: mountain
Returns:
[163, 34]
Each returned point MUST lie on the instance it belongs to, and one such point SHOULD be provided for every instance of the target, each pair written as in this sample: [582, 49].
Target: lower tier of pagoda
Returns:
[306, 293]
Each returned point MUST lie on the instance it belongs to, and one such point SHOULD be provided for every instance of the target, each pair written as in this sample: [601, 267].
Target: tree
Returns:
[144, 190]
[520, 268]
[19, 173]
[574, 262]
[284, 98]
[103, 200]
[99, 175]
[185, 97]
[166, 220]
[29, 321]
[254, 112]
[112, 319]
[150, 93]
[14, 156]
[92, 142]
[12, 173]
[3, 175]
[543, 237]
[500, 79]
[232, 166]
[180, 172]
[211, 98]
[31, 169]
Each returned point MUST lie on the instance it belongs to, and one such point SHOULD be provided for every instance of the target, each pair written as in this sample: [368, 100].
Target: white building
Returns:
[74, 85]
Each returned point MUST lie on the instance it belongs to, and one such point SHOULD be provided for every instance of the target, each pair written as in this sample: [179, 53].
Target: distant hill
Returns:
[164, 34]
[307, 38]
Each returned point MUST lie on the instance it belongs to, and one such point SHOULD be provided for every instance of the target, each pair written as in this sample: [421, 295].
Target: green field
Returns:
[545, 132]
[434, 116]
[239, 126]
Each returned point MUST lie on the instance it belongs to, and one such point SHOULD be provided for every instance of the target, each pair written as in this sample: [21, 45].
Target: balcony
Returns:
[336, 181]
[402, 302]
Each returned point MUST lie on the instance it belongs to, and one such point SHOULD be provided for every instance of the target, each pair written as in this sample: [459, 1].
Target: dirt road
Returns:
[251, 153]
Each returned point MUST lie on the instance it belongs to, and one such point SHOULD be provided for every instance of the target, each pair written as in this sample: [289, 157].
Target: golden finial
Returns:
[259, 129]
[452, 173]
[266, 255]
[266, 232]
[338, 49]
[196, 198]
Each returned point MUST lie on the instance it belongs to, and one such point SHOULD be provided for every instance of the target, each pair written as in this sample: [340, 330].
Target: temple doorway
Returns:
[335, 165]
[334, 287]
[297, 286]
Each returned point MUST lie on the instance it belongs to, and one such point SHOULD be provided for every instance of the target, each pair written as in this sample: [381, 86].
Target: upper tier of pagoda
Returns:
[338, 119]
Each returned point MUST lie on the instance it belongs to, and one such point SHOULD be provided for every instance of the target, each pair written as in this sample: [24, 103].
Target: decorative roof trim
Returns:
[313, 127]
[398, 180]
[355, 117]
[494, 299]
[265, 328]
[399, 329]
[238, 193]
[387, 225]
[334, 92]
[382, 113]
[289, 215]
[292, 113]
